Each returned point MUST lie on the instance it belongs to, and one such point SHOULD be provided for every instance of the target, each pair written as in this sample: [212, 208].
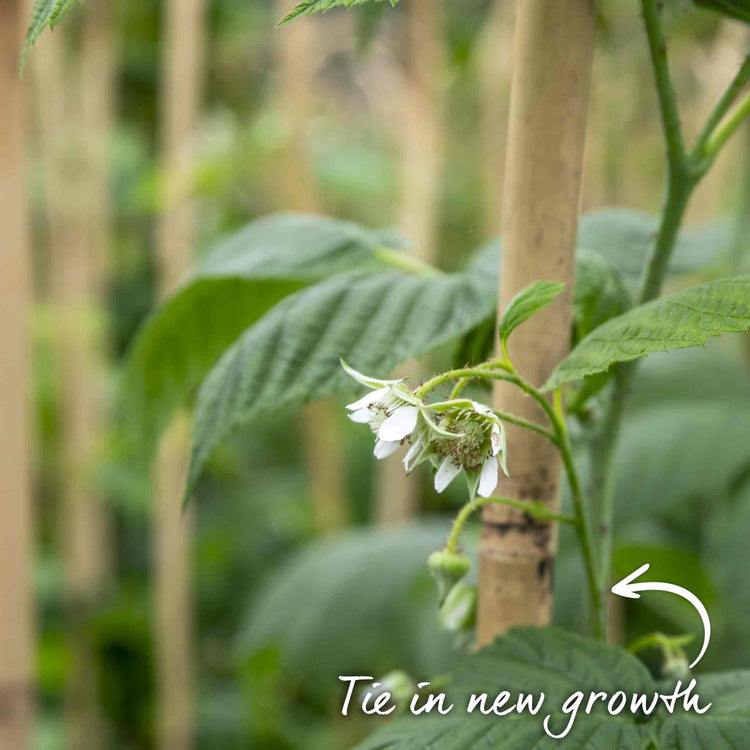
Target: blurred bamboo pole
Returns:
[549, 96]
[495, 57]
[181, 84]
[75, 123]
[16, 545]
[295, 191]
[422, 145]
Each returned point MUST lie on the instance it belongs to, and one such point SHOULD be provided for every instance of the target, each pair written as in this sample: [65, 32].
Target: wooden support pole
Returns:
[181, 86]
[549, 98]
[16, 621]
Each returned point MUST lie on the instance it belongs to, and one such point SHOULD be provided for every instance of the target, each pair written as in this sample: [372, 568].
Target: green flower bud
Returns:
[459, 610]
[448, 568]
[400, 685]
[676, 666]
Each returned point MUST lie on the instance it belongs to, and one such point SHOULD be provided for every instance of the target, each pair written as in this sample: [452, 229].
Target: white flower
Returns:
[391, 410]
[481, 456]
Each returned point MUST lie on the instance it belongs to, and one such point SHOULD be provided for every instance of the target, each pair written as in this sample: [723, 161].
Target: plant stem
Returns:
[533, 509]
[728, 127]
[722, 107]
[478, 373]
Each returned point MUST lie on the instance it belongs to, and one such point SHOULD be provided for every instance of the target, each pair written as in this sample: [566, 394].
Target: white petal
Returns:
[412, 453]
[400, 424]
[446, 474]
[361, 416]
[384, 448]
[496, 439]
[481, 409]
[365, 379]
[373, 397]
[488, 477]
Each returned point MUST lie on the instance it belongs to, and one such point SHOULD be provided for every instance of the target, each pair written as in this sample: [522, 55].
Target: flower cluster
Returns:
[454, 436]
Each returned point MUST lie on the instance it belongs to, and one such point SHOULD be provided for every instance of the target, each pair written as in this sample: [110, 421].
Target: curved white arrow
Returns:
[628, 589]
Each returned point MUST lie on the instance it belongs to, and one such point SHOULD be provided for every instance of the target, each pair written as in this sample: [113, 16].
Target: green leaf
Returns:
[373, 321]
[529, 660]
[527, 303]
[685, 319]
[44, 13]
[371, 605]
[308, 7]
[236, 284]
[558, 663]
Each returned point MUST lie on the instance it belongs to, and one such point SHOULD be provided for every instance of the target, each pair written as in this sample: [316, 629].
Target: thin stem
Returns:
[722, 107]
[477, 373]
[406, 262]
[728, 127]
[668, 108]
[531, 508]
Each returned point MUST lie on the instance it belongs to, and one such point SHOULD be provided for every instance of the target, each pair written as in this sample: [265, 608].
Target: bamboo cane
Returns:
[552, 65]
[15, 493]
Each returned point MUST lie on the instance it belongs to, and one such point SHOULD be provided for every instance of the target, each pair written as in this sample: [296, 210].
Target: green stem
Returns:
[472, 373]
[722, 107]
[533, 509]
[406, 262]
[728, 127]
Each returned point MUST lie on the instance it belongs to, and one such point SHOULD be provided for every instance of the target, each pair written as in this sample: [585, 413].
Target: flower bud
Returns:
[400, 685]
[448, 568]
[676, 666]
[459, 610]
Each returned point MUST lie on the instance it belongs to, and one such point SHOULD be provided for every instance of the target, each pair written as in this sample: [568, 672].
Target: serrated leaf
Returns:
[529, 660]
[373, 606]
[685, 319]
[44, 13]
[527, 303]
[308, 7]
[558, 663]
[373, 321]
[234, 286]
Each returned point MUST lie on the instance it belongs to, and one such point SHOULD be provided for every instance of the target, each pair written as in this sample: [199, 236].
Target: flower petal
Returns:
[361, 416]
[496, 439]
[366, 379]
[446, 474]
[373, 397]
[411, 454]
[400, 424]
[488, 477]
[384, 448]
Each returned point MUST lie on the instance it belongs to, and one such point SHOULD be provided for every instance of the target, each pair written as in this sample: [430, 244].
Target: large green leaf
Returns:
[549, 661]
[308, 7]
[558, 664]
[739, 9]
[368, 603]
[373, 321]
[685, 319]
[235, 285]
[44, 13]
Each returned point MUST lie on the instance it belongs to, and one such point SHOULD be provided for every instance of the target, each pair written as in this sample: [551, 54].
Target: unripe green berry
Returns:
[448, 568]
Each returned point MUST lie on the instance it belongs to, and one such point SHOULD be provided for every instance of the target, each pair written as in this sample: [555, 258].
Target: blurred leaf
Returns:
[672, 565]
[625, 238]
[676, 452]
[557, 663]
[44, 13]
[373, 321]
[236, 284]
[685, 319]
[361, 601]
[308, 7]
[600, 293]
[527, 303]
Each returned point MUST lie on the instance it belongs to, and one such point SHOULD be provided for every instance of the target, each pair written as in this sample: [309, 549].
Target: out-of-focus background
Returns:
[154, 129]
